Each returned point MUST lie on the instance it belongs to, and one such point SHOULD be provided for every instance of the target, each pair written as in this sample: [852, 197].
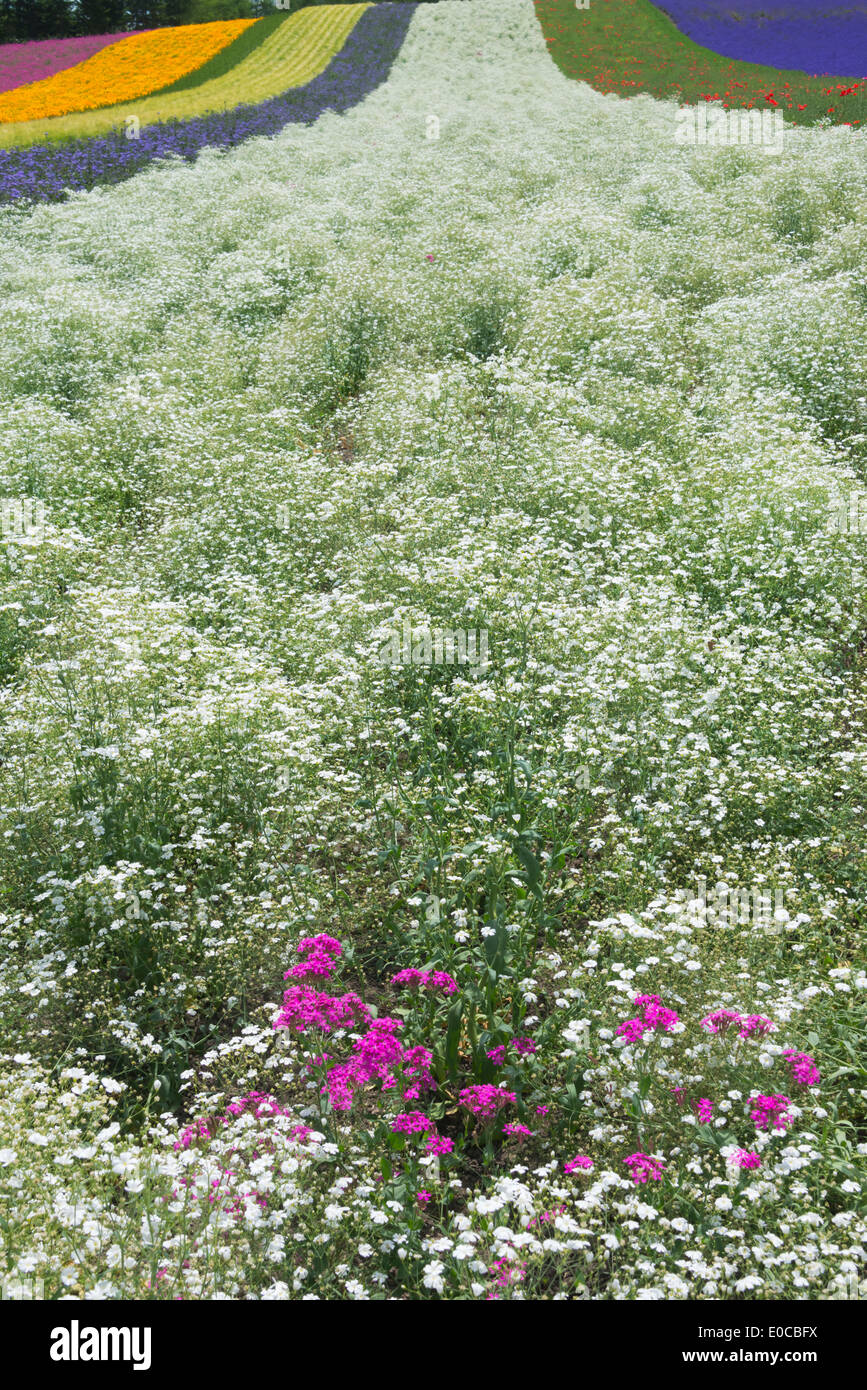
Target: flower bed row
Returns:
[22, 63]
[50, 171]
[133, 67]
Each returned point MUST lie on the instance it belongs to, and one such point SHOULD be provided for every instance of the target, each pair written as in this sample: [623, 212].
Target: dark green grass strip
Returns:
[229, 57]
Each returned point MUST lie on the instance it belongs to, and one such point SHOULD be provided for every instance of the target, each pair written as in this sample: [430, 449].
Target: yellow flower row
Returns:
[294, 52]
[133, 67]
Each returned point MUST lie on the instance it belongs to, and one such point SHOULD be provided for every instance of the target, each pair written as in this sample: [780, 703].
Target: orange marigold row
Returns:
[131, 68]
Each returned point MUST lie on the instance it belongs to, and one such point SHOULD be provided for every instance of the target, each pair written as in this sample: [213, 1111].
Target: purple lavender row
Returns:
[42, 173]
[815, 36]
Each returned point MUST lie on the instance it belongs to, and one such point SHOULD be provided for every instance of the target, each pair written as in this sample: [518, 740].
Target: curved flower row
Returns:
[23, 63]
[48, 172]
[265, 60]
[133, 67]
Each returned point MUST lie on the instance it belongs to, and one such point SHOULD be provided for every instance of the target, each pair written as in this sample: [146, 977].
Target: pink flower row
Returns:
[655, 1018]
[644, 1167]
[23, 63]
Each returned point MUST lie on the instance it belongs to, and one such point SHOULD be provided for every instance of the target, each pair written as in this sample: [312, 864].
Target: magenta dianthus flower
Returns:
[377, 1053]
[412, 1122]
[579, 1161]
[305, 1008]
[755, 1023]
[321, 945]
[643, 1167]
[316, 967]
[438, 1144]
[321, 952]
[721, 1020]
[410, 978]
[433, 981]
[632, 1029]
[485, 1101]
[803, 1068]
[745, 1158]
[416, 1065]
[659, 1018]
[439, 980]
[655, 1018]
[769, 1112]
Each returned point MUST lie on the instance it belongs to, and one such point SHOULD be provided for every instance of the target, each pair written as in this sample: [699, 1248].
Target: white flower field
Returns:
[492, 356]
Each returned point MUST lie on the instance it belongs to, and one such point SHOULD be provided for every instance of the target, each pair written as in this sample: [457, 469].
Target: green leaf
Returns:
[532, 867]
[453, 1037]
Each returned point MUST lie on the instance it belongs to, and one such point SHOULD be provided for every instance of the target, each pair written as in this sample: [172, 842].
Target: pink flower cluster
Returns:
[197, 1130]
[704, 1111]
[803, 1067]
[320, 954]
[412, 1122]
[654, 1018]
[485, 1102]
[378, 1055]
[517, 1131]
[723, 1019]
[643, 1167]
[745, 1158]
[503, 1272]
[525, 1047]
[579, 1161]
[769, 1112]
[381, 1056]
[304, 1007]
[260, 1103]
[438, 1144]
[433, 980]
[415, 1122]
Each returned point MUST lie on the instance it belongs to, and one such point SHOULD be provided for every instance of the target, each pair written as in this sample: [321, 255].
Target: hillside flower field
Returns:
[320, 79]
[23, 63]
[291, 54]
[337, 962]
[132, 67]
